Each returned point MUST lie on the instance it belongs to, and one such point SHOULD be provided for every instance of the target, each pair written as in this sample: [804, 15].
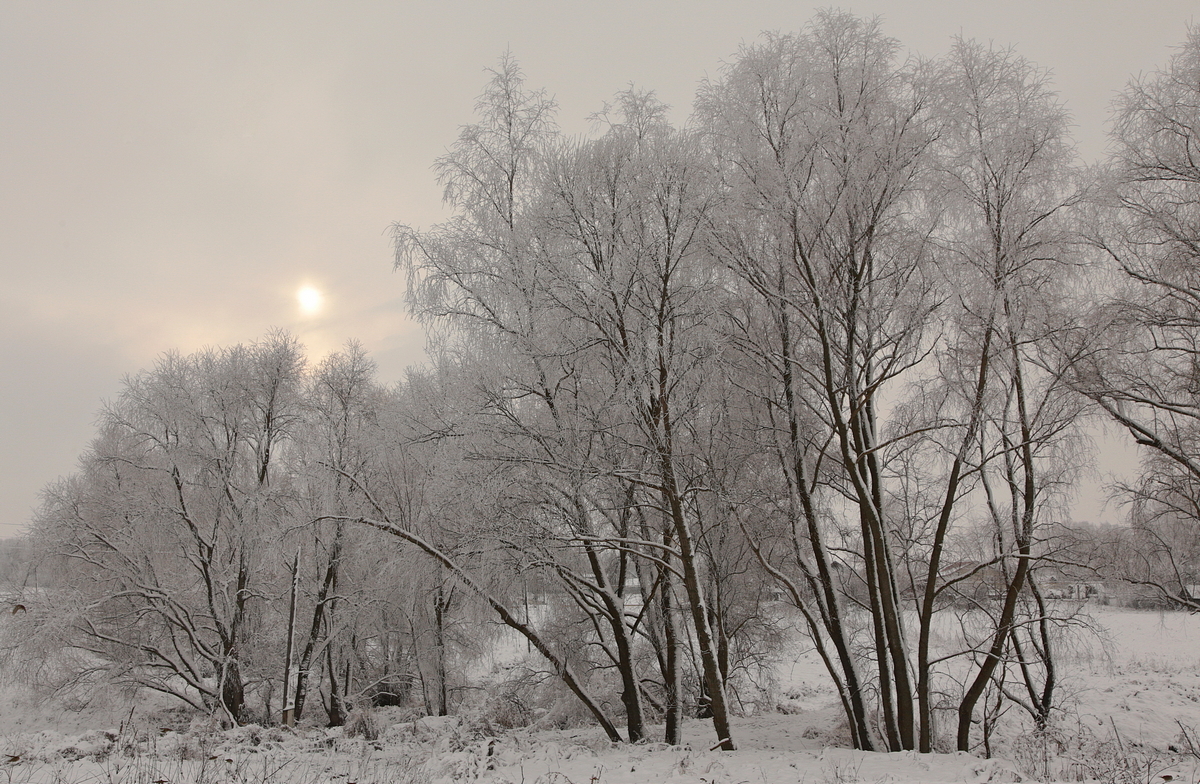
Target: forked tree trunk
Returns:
[1023, 490]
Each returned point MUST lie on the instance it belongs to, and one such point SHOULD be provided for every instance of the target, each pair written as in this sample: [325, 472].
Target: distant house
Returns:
[972, 581]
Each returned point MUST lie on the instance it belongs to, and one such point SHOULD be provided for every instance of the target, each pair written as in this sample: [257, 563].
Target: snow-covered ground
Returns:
[775, 748]
[1132, 695]
[1133, 690]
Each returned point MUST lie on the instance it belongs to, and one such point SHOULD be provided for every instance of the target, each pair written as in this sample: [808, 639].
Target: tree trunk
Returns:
[233, 693]
[695, 593]
[439, 647]
[336, 710]
[614, 604]
[1024, 494]
[672, 677]
[319, 620]
[289, 717]
[950, 497]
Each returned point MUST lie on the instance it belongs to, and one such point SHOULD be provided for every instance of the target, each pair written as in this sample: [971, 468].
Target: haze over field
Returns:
[183, 175]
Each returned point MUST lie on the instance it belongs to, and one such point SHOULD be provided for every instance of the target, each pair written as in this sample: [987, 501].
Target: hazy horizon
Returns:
[175, 175]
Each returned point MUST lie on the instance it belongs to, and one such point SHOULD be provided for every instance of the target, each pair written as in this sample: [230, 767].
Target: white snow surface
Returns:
[1131, 699]
[774, 749]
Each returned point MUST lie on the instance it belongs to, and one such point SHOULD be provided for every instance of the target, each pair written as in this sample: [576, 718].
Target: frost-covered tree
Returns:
[895, 233]
[1140, 365]
[822, 138]
[1009, 183]
[577, 266]
[342, 408]
[169, 527]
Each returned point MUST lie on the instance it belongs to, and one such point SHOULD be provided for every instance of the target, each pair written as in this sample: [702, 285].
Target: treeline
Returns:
[838, 338]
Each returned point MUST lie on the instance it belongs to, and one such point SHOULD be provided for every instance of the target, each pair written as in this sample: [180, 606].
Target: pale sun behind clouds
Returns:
[310, 299]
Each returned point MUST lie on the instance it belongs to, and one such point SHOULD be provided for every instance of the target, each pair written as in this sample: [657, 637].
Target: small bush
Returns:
[1077, 754]
[365, 724]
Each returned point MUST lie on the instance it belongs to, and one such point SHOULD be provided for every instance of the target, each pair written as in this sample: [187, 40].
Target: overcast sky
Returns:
[172, 173]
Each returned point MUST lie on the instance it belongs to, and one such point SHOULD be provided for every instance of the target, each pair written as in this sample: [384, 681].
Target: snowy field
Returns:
[1131, 694]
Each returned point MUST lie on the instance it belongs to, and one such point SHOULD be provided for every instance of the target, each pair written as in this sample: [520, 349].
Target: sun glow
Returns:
[310, 300]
